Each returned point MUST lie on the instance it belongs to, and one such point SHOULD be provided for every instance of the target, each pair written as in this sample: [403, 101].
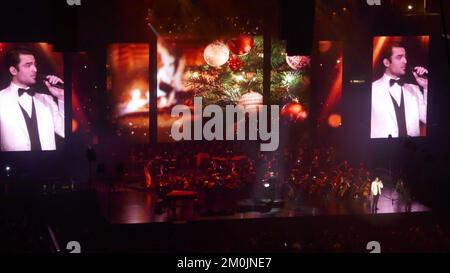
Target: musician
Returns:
[376, 187]
[403, 191]
[234, 171]
[344, 186]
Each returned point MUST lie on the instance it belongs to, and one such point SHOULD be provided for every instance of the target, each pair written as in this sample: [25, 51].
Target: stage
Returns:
[133, 204]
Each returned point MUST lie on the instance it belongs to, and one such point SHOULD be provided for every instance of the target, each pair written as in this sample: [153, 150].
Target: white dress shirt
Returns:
[395, 90]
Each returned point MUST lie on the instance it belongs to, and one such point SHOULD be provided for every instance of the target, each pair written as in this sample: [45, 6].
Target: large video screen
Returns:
[290, 82]
[221, 72]
[328, 71]
[31, 97]
[128, 90]
[399, 87]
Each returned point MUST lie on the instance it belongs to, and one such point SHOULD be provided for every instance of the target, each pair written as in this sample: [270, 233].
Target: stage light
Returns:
[288, 79]
[8, 170]
[335, 120]
[410, 7]
[266, 185]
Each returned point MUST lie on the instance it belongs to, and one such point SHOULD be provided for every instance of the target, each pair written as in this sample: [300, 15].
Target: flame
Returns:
[136, 101]
[170, 72]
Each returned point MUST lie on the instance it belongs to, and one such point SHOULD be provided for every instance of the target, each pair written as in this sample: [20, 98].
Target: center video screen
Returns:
[399, 87]
[221, 72]
[31, 97]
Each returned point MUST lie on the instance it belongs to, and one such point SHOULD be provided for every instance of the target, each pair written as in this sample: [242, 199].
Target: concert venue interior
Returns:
[121, 179]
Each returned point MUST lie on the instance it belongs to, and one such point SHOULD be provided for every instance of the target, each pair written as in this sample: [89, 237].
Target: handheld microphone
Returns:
[42, 77]
[424, 75]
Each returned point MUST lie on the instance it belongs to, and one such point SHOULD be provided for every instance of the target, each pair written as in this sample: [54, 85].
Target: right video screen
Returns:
[399, 86]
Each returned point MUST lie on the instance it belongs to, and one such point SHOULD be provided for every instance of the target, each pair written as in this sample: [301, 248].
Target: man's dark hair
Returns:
[387, 51]
[12, 56]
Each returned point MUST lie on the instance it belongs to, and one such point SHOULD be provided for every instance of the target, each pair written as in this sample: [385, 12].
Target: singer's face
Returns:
[26, 71]
[397, 64]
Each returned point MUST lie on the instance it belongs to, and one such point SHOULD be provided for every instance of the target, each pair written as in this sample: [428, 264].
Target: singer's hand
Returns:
[57, 92]
[419, 73]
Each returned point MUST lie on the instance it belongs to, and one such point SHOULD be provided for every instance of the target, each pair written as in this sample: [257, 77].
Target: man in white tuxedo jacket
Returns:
[375, 189]
[398, 108]
[28, 119]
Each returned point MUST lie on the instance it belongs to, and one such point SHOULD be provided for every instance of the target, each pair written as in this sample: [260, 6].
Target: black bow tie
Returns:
[400, 82]
[30, 91]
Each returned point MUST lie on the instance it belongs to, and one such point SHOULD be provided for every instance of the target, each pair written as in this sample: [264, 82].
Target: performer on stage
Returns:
[403, 192]
[376, 187]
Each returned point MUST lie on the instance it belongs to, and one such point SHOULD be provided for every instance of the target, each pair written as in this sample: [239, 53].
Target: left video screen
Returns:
[31, 97]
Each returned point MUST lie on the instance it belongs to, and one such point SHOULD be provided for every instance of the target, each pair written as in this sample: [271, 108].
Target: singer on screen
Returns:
[30, 117]
[399, 107]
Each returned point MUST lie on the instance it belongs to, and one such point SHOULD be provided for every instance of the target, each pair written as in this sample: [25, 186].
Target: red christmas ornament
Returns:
[298, 62]
[294, 111]
[235, 64]
[241, 45]
[335, 120]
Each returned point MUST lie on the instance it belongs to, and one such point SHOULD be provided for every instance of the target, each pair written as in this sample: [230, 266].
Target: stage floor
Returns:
[131, 204]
